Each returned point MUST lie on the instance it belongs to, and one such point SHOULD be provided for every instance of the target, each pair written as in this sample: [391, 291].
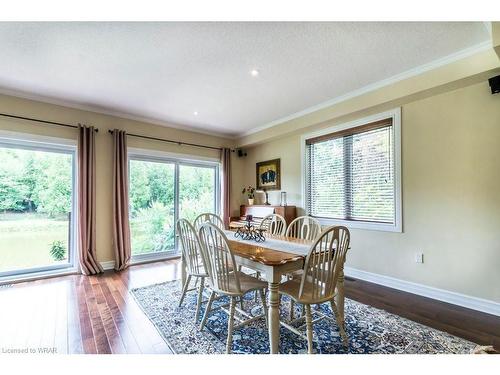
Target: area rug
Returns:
[370, 330]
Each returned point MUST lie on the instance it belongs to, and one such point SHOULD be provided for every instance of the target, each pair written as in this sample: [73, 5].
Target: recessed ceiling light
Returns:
[195, 113]
[254, 72]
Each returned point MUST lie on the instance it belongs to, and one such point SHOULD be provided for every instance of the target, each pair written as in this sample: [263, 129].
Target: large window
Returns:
[162, 190]
[36, 206]
[352, 174]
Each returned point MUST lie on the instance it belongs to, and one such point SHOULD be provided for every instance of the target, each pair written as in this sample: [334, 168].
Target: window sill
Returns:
[70, 270]
[366, 225]
[154, 257]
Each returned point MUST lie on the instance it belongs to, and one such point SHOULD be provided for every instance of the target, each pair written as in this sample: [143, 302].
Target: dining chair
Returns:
[273, 224]
[322, 268]
[208, 217]
[193, 260]
[225, 280]
[304, 227]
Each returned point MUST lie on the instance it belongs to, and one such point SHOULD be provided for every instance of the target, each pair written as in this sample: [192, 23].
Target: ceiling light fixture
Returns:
[254, 72]
[195, 113]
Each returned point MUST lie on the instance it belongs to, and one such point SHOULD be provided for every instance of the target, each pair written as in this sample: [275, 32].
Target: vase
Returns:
[250, 201]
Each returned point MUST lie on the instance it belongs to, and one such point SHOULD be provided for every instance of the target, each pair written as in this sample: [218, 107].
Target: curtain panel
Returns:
[225, 159]
[121, 226]
[86, 201]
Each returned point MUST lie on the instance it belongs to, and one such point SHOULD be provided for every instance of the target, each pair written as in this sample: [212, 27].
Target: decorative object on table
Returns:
[250, 192]
[249, 232]
[283, 198]
[370, 330]
[268, 175]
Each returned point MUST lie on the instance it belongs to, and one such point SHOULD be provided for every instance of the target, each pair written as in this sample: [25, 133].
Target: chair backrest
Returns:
[191, 248]
[304, 227]
[208, 217]
[219, 260]
[274, 224]
[323, 264]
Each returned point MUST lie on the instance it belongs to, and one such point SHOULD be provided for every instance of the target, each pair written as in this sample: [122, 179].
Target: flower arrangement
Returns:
[249, 191]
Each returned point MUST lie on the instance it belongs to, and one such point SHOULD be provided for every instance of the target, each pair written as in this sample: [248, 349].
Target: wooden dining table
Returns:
[272, 262]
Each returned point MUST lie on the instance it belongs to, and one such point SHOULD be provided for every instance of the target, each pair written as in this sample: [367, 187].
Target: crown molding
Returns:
[109, 112]
[342, 98]
[481, 47]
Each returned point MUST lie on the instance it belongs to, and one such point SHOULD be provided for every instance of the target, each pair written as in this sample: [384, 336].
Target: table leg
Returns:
[340, 296]
[274, 317]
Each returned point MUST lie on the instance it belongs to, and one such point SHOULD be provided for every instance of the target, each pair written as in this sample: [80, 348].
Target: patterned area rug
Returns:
[370, 330]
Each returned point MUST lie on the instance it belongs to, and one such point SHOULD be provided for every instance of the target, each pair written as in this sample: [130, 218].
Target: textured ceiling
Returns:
[164, 72]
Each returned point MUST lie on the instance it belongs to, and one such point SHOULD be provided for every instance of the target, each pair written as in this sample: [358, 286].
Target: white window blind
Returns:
[350, 174]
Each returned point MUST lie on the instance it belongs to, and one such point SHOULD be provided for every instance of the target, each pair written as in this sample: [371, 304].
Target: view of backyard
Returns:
[35, 201]
[35, 205]
[25, 240]
[152, 196]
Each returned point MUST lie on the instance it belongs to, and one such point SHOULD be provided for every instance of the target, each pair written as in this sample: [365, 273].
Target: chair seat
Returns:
[203, 273]
[291, 288]
[247, 284]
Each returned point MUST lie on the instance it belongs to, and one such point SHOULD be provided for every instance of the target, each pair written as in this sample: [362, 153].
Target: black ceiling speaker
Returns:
[495, 84]
[241, 153]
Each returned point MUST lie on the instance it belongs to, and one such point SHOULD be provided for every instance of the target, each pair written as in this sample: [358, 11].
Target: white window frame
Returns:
[33, 142]
[395, 114]
[177, 159]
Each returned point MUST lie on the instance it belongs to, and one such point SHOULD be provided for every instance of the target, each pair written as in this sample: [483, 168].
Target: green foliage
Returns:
[249, 191]
[58, 250]
[35, 181]
[196, 191]
[153, 229]
[150, 182]
[152, 201]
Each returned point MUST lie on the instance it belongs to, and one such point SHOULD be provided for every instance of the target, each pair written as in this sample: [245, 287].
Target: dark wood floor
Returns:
[97, 314]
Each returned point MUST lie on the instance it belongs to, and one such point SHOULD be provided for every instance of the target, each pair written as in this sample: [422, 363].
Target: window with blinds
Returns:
[350, 174]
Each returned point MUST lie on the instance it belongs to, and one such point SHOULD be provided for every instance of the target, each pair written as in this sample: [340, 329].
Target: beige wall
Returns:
[451, 186]
[50, 112]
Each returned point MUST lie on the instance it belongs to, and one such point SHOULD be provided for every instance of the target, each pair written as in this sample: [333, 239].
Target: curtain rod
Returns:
[42, 121]
[180, 143]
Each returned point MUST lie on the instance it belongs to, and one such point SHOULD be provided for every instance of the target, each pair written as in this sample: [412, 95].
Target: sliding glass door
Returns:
[197, 190]
[162, 190]
[36, 207]
[152, 202]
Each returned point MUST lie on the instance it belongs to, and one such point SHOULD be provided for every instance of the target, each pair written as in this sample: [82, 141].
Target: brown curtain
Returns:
[121, 228]
[225, 159]
[86, 201]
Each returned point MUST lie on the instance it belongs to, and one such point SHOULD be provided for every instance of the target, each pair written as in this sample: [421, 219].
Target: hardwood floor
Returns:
[97, 314]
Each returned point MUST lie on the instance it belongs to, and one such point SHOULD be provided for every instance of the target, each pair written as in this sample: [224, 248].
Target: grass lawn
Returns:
[25, 240]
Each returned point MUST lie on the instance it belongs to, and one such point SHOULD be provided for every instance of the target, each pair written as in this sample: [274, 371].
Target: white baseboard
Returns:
[109, 265]
[474, 303]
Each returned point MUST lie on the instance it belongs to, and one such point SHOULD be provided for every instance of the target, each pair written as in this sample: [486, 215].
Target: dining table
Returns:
[274, 257]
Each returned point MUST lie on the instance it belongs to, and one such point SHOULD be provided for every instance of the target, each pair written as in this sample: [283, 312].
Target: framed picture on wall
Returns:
[268, 175]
